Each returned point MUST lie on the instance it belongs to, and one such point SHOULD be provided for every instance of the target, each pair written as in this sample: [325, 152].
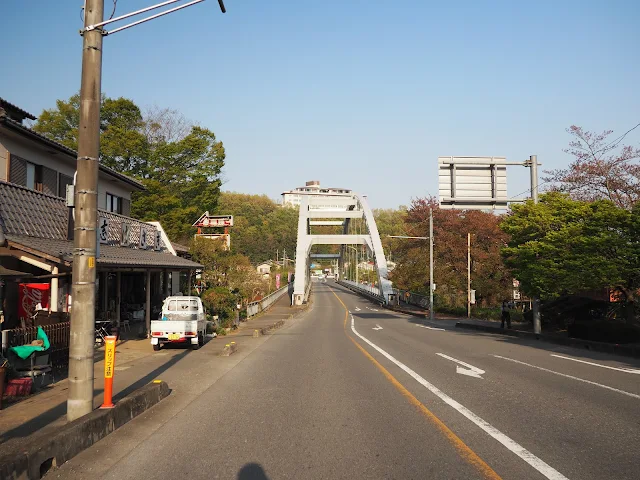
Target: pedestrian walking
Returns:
[506, 315]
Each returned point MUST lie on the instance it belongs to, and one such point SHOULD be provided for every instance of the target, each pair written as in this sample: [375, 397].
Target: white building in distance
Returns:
[292, 198]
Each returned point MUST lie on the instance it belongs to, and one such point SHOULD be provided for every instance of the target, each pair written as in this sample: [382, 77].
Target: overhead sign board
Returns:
[211, 221]
[472, 183]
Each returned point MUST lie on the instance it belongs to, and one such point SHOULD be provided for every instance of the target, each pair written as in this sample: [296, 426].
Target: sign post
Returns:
[109, 367]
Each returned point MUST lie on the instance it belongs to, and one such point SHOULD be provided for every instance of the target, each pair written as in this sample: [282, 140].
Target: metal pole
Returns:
[82, 334]
[468, 275]
[431, 306]
[533, 160]
[147, 310]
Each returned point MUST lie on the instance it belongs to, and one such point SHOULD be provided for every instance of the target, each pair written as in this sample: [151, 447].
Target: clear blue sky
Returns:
[354, 93]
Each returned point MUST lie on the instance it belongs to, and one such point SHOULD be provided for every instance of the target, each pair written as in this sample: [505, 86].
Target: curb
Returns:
[230, 349]
[269, 328]
[32, 460]
[406, 312]
[624, 350]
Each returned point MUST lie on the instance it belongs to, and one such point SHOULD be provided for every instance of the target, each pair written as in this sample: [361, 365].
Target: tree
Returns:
[178, 163]
[261, 227]
[490, 278]
[229, 277]
[600, 169]
[564, 246]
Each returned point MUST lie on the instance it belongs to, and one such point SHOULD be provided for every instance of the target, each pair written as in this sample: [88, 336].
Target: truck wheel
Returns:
[201, 339]
[156, 347]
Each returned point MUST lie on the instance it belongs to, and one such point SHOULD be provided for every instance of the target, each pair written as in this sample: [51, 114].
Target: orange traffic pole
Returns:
[109, 367]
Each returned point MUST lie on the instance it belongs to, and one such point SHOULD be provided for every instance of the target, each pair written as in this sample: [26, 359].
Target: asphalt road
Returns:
[350, 390]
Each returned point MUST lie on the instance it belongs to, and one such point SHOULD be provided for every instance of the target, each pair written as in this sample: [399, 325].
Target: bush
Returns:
[221, 331]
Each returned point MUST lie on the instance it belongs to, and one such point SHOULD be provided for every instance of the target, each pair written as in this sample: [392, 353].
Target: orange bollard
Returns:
[109, 366]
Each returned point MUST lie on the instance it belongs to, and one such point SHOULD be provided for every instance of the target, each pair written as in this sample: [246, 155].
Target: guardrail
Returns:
[255, 308]
[366, 290]
[412, 298]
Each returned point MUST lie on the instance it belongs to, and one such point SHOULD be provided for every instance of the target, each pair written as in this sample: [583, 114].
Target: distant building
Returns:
[292, 198]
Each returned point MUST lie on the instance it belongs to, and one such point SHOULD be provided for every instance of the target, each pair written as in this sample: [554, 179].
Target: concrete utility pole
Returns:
[82, 334]
[431, 306]
[533, 161]
[83, 290]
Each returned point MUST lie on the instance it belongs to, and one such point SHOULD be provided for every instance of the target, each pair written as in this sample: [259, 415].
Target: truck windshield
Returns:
[183, 305]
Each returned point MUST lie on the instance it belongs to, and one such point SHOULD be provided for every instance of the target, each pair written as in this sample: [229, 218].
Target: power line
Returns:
[619, 139]
[115, 2]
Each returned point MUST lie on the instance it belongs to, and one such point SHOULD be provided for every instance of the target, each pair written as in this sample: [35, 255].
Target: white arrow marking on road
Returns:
[514, 447]
[357, 309]
[430, 328]
[569, 376]
[471, 371]
[625, 370]
[377, 327]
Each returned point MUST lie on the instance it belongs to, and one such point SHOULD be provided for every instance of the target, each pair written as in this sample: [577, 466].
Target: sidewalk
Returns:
[136, 365]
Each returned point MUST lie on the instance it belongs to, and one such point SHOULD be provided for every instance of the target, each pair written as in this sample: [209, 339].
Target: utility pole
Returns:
[83, 290]
[468, 275]
[82, 331]
[533, 163]
[431, 306]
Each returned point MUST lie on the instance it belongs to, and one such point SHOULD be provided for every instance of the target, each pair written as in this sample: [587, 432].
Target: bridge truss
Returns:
[346, 221]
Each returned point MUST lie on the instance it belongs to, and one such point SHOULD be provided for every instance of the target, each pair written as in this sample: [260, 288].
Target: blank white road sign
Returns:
[472, 183]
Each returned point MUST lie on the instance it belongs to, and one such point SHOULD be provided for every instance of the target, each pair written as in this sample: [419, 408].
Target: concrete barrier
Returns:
[32, 460]
[229, 349]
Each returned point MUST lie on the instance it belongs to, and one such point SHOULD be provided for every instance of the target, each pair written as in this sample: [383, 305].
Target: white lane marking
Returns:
[625, 370]
[430, 328]
[357, 309]
[570, 376]
[542, 467]
[470, 371]
[377, 327]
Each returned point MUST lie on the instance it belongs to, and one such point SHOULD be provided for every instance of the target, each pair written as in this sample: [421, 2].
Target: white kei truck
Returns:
[182, 321]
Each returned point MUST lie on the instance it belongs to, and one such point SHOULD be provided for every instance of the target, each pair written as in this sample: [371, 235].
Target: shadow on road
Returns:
[252, 471]
[58, 411]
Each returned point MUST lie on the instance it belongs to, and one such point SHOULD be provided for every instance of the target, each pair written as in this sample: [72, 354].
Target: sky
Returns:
[357, 94]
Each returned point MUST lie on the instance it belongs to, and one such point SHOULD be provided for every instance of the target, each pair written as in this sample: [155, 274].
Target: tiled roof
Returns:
[179, 248]
[109, 255]
[24, 113]
[39, 221]
[64, 149]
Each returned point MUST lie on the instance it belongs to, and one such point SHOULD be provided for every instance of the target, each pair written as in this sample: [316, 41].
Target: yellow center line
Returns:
[462, 448]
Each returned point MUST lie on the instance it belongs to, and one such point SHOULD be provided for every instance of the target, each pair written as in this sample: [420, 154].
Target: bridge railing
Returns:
[412, 298]
[367, 290]
[255, 308]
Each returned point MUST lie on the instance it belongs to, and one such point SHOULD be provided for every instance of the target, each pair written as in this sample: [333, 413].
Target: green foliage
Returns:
[179, 165]
[564, 246]
[261, 227]
[220, 301]
[227, 272]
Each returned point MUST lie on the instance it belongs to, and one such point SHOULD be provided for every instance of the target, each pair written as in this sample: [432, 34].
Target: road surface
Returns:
[350, 390]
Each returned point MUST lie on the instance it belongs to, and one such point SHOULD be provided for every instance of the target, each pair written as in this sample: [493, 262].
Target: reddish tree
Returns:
[600, 169]
[490, 278]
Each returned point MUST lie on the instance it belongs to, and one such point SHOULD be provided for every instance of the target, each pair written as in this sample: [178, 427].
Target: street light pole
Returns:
[533, 163]
[431, 309]
[83, 290]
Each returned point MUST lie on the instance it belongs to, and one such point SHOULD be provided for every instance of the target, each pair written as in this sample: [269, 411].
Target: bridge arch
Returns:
[340, 211]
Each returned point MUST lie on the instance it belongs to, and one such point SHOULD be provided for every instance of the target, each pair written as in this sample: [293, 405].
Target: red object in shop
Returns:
[30, 295]
[18, 387]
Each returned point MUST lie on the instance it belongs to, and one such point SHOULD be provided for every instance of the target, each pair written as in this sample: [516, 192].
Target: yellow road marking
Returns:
[463, 449]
